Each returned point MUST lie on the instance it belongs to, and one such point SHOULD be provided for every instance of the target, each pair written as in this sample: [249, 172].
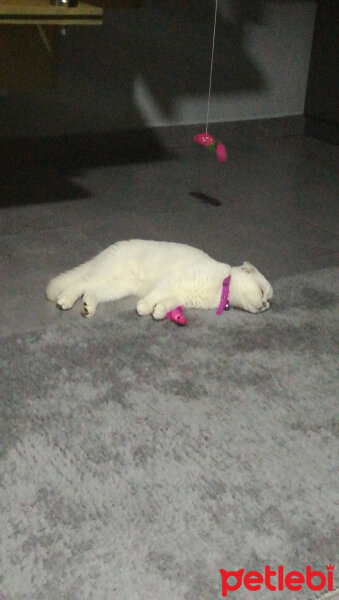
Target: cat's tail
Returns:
[56, 285]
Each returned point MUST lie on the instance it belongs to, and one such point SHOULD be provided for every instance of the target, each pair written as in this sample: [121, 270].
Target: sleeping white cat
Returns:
[163, 275]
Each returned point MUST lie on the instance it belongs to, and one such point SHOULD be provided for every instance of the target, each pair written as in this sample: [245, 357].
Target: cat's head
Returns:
[249, 290]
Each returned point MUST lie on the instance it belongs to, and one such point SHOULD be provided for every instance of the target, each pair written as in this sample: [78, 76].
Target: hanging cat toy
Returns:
[206, 139]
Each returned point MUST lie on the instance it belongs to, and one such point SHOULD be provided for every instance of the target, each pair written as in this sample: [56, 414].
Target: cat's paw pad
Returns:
[88, 309]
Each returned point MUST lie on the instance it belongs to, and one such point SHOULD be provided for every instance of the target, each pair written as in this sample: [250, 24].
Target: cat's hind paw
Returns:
[89, 306]
[65, 302]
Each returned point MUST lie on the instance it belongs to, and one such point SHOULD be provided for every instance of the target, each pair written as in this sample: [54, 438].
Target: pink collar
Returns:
[224, 305]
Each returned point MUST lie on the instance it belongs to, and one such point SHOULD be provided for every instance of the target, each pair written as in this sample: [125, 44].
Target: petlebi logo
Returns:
[277, 580]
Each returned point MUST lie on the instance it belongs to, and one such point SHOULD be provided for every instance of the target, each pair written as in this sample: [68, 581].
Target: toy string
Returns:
[211, 68]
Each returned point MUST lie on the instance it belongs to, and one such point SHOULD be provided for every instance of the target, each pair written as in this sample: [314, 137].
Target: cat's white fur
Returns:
[163, 275]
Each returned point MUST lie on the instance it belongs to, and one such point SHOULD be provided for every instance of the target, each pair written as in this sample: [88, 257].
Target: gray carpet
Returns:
[139, 458]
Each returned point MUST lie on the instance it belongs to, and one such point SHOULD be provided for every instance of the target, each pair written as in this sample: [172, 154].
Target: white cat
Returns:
[163, 275]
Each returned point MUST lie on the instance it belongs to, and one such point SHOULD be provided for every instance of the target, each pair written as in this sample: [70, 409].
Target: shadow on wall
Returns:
[166, 45]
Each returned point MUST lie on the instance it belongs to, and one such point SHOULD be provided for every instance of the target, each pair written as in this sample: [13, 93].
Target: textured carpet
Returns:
[139, 458]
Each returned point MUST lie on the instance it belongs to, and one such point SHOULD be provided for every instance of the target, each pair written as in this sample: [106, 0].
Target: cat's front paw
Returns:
[159, 311]
[143, 308]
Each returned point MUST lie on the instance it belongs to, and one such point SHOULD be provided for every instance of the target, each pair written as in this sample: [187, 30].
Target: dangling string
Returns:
[205, 139]
[211, 68]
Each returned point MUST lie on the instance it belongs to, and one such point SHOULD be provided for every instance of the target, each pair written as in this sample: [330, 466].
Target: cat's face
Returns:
[249, 290]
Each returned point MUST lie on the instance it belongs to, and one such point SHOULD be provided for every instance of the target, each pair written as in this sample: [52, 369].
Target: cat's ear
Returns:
[248, 268]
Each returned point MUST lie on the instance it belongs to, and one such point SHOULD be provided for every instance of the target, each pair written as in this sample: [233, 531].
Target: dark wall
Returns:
[150, 68]
[322, 99]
